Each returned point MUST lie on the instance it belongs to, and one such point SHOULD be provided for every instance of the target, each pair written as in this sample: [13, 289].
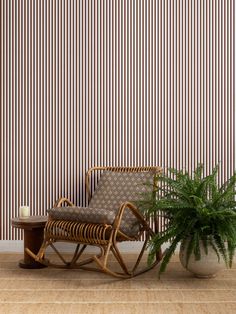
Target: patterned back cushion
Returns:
[115, 188]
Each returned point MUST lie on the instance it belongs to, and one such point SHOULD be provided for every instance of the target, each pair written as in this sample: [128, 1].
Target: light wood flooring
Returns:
[55, 291]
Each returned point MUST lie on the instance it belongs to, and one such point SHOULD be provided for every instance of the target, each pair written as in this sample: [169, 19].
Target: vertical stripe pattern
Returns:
[110, 82]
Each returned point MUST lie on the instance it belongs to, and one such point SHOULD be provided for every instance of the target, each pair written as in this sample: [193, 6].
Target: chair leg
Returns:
[140, 256]
[106, 270]
[59, 254]
[119, 259]
[39, 257]
[104, 257]
[128, 274]
[101, 259]
[77, 254]
[102, 262]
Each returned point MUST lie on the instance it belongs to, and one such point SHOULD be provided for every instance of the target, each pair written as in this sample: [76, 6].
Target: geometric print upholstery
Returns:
[113, 189]
[82, 214]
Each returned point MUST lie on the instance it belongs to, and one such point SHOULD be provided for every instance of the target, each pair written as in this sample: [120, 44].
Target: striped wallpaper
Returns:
[110, 82]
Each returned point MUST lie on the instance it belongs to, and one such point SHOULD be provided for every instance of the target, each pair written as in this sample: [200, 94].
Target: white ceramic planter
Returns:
[206, 267]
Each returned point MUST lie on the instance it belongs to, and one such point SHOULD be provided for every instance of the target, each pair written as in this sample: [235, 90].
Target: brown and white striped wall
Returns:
[110, 82]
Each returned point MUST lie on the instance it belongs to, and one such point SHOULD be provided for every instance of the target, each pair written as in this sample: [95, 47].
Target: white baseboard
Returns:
[17, 246]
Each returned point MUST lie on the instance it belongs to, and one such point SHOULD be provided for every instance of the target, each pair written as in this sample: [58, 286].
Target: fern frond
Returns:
[169, 252]
[221, 247]
[211, 243]
[196, 208]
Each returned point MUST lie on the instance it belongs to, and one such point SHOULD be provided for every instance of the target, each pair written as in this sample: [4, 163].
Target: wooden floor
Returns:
[75, 291]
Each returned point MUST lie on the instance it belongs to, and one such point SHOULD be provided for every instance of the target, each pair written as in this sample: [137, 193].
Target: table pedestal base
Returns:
[33, 239]
[33, 227]
[32, 265]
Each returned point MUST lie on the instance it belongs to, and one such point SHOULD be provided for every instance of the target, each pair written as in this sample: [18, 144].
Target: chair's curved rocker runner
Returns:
[110, 219]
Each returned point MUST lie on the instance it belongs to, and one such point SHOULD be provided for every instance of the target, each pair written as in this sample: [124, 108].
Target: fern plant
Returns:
[197, 209]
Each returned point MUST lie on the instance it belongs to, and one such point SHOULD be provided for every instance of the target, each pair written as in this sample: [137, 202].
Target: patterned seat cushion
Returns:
[114, 188]
[83, 214]
[94, 215]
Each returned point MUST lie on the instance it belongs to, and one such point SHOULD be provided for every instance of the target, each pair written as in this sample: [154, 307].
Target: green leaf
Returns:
[195, 207]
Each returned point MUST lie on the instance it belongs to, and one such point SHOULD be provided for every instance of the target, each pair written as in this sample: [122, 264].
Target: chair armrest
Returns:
[135, 211]
[61, 200]
[132, 208]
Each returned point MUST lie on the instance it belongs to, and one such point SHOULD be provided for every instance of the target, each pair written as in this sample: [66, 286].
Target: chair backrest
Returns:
[119, 185]
[115, 188]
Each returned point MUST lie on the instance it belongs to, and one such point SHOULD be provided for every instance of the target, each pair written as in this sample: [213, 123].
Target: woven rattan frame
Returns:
[105, 237]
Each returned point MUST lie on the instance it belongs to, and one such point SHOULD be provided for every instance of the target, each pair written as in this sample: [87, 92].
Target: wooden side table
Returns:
[33, 227]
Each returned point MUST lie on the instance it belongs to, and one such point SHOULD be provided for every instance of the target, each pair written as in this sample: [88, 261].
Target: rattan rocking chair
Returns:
[109, 219]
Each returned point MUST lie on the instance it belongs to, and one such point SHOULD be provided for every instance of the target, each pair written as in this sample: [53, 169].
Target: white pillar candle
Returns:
[24, 211]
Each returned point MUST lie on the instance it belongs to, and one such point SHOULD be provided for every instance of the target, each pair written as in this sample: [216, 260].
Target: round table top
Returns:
[29, 222]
